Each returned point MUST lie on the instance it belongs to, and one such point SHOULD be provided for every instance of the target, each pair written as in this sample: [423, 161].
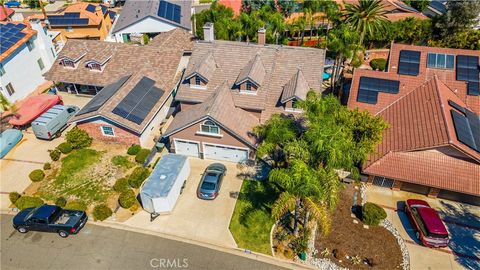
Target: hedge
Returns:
[134, 149]
[142, 155]
[76, 205]
[47, 166]
[78, 138]
[136, 178]
[127, 199]
[121, 185]
[61, 202]
[25, 202]
[55, 154]
[65, 147]
[101, 212]
[372, 214]
[379, 64]
[14, 196]
[36, 175]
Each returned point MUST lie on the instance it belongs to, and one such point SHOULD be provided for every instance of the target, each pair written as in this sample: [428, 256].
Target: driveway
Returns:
[193, 218]
[29, 154]
[462, 221]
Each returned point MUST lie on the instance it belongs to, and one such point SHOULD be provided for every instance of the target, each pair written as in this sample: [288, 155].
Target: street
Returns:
[97, 247]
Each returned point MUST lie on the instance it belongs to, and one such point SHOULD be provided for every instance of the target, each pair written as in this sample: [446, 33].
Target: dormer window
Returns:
[210, 127]
[248, 86]
[292, 106]
[198, 81]
[94, 66]
[68, 63]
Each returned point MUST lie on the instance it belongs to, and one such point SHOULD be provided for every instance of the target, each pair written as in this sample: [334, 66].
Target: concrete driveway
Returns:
[462, 221]
[193, 218]
[29, 154]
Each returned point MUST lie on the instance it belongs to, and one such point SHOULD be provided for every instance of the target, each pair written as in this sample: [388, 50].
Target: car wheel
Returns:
[22, 230]
[63, 234]
[417, 234]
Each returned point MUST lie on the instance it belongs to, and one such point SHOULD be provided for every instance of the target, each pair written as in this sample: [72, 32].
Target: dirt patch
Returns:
[352, 239]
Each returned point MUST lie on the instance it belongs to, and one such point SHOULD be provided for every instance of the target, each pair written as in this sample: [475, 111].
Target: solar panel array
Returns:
[169, 11]
[468, 70]
[90, 8]
[467, 128]
[10, 34]
[105, 94]
[70, 18]
[370, 87]
[139, 101]
[409, 63]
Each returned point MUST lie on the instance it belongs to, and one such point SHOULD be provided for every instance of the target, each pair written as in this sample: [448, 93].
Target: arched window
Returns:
[210, 127]
[94, 66]
[68, 63]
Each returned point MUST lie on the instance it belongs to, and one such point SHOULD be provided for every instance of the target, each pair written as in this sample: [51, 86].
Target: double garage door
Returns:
[211, 151]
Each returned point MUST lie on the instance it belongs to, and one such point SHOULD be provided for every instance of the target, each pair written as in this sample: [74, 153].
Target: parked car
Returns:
[11, 4]
[429, 228]
[211, 181]
[8, 139]
[50, 218]
[51, 122]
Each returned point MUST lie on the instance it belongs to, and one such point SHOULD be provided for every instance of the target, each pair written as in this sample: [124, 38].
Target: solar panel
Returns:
[104, 9]
[467, 128]
[90, 8]
[71, 15]
[474, 123]
[456, 106]
[139, 101]
[473, 88]
[409, 62]
[59, 20]
[367, 96]
[105, 94]
[468, 70]
[169, 11]
[370, 87]
[10, 34]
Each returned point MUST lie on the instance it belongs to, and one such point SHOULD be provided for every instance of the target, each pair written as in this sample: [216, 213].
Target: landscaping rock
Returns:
[355, 221]
[401, 242]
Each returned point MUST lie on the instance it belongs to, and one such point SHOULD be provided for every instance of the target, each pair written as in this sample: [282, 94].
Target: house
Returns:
[439, 7]
[235, 5]
[81, 21]
[429, 96]
[230, 87]
[133, 86]
[6, 13]
[26, 53]
[151, 17]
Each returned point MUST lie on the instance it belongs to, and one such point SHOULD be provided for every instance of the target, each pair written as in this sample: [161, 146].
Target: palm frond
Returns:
[285, 203]
[319, 212]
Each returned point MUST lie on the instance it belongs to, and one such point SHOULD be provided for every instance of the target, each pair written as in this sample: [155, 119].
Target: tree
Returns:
[419, 5]
[469, 39]
[342, 42]
[460, 15]
[287, 7]
[223, 19]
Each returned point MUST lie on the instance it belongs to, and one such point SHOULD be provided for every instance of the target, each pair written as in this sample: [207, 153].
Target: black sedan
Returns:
[211, 181]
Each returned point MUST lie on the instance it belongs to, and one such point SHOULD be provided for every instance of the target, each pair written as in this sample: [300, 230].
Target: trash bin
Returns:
[159, 146]
[303, 256]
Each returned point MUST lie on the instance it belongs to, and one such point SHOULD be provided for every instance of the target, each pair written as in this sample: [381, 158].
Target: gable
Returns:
[148, 24]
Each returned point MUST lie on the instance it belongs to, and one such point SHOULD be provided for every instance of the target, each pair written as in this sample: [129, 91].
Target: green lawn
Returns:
[77, 179]
[251, 221]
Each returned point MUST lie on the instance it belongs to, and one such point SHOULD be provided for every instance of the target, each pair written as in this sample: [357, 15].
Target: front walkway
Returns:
[462, 221]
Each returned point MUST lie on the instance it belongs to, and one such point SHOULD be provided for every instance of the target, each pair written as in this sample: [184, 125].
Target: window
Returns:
[53, 52]
[30, 45]
[107, 131]
[68, 63]
[69, 29]
[210, 127]
[294, 104]
[10, 89]
[440, 60]
[248, 86]
[2, 70]
[40, 63]
[198, 81]
[94, 66]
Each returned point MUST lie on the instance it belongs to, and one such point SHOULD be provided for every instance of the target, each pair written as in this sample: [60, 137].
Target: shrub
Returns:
[300, 244]
[127, 199]
[379, 64]
[121, 185]
[134, 149]
[136, 178]
[156, 161]
[142, 155]
[78, 138]
[76, 205]
[55, 154]
[65, 147]
[36, 175]
[101, 212]
[61, 202]
[122, 161]
[25, 202]
[47, 166]
[14, 196]
[372, 214]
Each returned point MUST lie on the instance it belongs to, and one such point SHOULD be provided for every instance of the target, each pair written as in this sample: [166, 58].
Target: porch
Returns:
[79, 89]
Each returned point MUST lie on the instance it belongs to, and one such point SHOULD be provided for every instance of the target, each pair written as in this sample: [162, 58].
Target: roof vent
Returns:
[163, 176]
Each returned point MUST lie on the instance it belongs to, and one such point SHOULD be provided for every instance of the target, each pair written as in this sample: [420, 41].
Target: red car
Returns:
[429, 228]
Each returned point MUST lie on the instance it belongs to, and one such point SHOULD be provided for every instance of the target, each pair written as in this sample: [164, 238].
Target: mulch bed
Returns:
[353, 240]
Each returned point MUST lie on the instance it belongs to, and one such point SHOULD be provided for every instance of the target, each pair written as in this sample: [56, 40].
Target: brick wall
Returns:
[121, 135]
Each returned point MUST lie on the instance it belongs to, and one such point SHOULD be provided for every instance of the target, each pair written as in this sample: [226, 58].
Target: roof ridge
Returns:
[449, 139]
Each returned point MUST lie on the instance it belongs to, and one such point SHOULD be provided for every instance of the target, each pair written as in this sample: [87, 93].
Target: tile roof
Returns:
[136, 10]
[24, 33]
[421, 121]
[177, 36]
[204, 67]
[297, 87]
[9, 13]
[408, 83]
[254, 71]
[395, 10]
[219, 107]
[280, 64]
[86, 10]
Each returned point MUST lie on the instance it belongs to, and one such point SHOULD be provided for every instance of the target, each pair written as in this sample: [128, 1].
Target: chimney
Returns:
[261, 36]
[208, 32]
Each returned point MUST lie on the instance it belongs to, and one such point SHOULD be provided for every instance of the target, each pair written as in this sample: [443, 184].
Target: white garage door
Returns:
[225, 153]
[186, 148]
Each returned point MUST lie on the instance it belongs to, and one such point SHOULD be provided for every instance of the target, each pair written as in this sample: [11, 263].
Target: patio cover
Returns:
[33, 107]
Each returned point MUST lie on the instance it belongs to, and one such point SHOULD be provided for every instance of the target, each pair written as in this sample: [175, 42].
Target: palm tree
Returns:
[342, 41]
[367, 17]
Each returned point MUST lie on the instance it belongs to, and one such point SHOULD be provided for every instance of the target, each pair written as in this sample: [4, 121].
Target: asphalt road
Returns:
[97, 247]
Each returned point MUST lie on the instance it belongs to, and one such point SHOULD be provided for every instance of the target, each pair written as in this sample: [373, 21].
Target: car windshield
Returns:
[208, 186]
[211, 177]
[435, 235]
[29, 215]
